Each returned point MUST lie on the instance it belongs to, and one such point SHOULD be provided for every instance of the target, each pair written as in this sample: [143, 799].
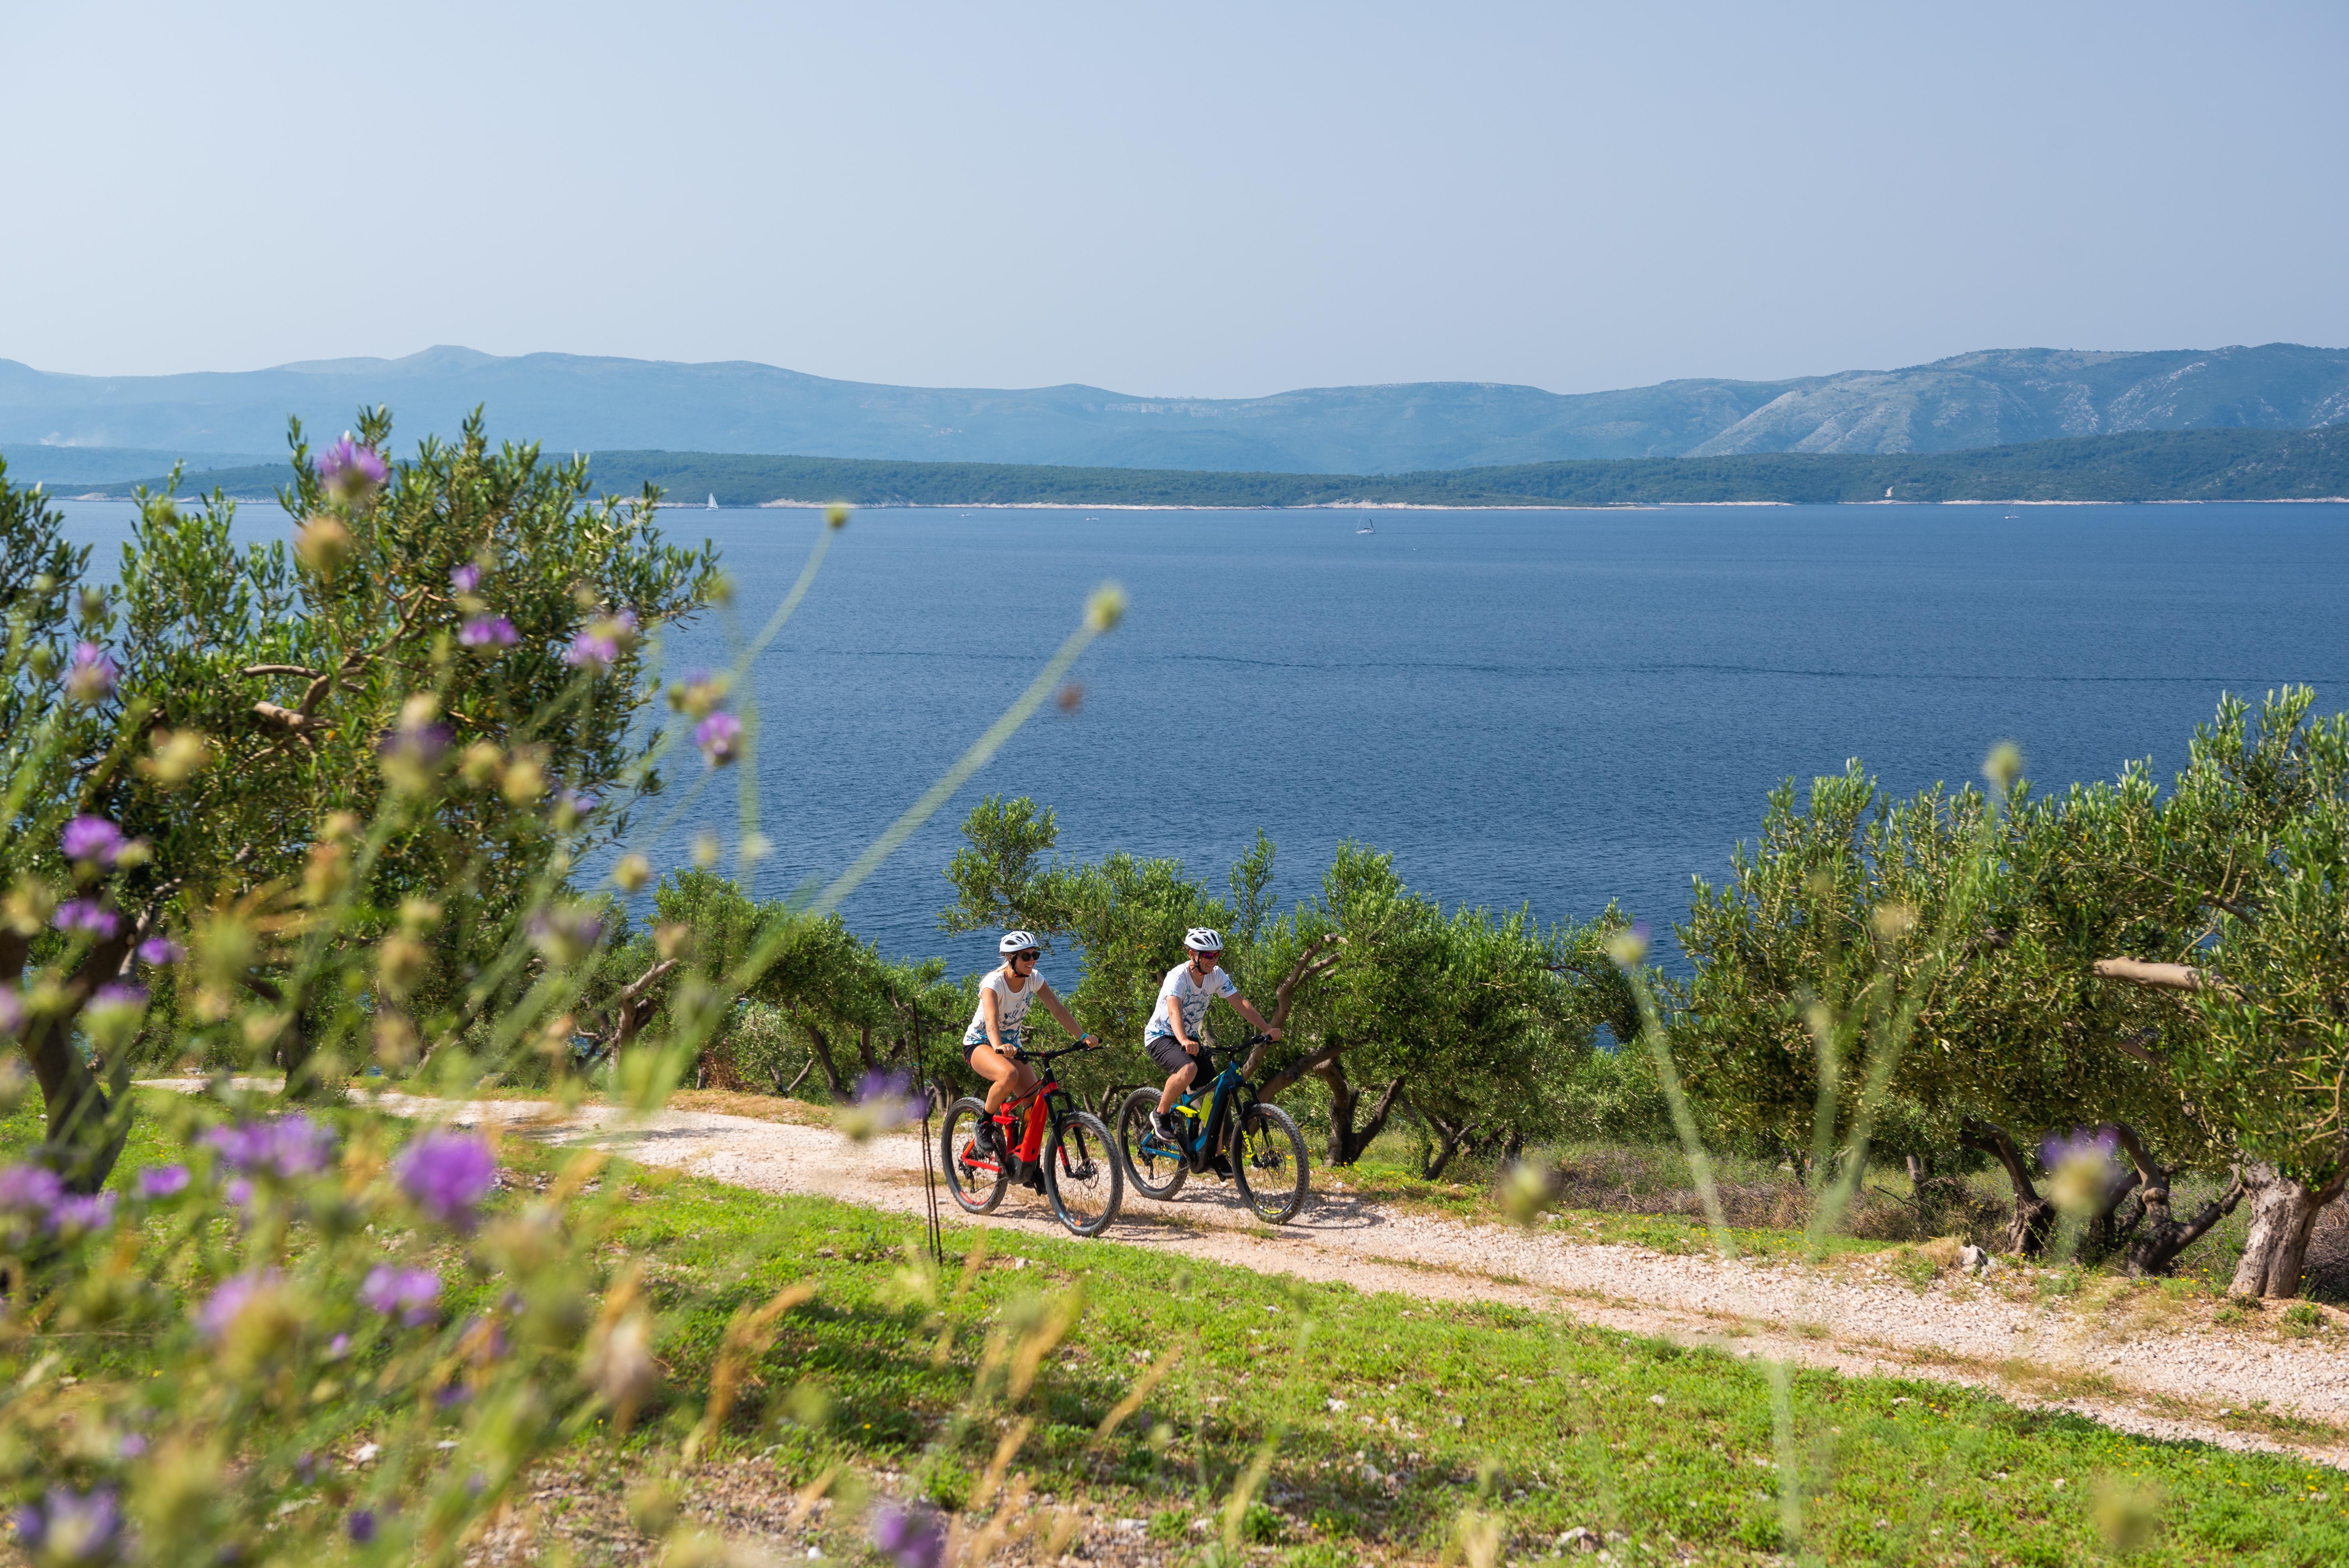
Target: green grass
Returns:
[1399, 1413]
[1392, 1415]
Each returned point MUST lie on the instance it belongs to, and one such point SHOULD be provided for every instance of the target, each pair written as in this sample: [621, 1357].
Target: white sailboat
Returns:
[713, 501]
[1366, 528]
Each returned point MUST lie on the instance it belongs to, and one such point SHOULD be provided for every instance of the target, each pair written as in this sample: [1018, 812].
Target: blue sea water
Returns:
[1553, 709]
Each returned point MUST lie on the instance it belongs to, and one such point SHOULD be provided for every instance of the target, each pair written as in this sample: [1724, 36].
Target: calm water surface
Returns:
[1547, 708]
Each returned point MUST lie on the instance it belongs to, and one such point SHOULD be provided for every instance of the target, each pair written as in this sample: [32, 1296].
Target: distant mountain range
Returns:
[570, 402]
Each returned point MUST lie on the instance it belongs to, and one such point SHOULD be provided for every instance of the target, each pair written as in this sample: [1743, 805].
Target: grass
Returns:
[1392, 1416]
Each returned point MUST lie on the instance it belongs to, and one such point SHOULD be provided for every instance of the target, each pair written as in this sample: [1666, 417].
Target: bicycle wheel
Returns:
[1083, 1177]
[1268, 1162]
[976, 1187]
[1157, 1168]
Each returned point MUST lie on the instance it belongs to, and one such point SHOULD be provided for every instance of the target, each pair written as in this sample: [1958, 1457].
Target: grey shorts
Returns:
[1168, 1053]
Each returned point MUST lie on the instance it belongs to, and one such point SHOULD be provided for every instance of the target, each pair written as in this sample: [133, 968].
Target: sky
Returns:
[1185, 199]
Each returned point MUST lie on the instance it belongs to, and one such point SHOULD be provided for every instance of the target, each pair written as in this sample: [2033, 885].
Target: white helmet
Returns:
[1203, 939]
[1016, 941]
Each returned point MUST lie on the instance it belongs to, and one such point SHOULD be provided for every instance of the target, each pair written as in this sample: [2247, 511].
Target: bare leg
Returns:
[1175, 1085]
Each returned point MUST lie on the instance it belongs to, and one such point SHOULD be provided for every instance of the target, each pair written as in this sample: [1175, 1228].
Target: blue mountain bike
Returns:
[1226, 1132]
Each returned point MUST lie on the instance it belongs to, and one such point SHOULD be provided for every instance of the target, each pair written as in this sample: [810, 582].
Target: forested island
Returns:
[2238, 465]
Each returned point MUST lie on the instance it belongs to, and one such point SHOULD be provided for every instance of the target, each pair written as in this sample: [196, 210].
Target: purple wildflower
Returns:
[598, 644]
[567, 933]
[91, 838]
[909, 1535]
[466, 578]
[489, 630]
[92, 677]
[445, 1174]
[162, 1180]
[338, 1346]
[69, 1527]
[351, 470]
[239, 1192]
[29, 1190]
[74, 1215]
[721, 738]
[411, 1294]
[131, 1446]
[417, 745]
[361, 1525]
[220, 1308]
[11, 1011]
[284, 1147]
[118, 993]
[889, 1095]
[87, 915]
[159, 951]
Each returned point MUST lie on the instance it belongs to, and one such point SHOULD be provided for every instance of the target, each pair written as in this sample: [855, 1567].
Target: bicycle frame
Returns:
[1227, 1094]
[1044, 1106]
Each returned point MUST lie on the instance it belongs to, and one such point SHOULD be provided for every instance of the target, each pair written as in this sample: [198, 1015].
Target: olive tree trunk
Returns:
[2284, 1212]
[2026, 1232]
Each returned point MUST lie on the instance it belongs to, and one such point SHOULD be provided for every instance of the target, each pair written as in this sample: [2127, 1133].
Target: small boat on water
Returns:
[713, 501]
[1366, 528]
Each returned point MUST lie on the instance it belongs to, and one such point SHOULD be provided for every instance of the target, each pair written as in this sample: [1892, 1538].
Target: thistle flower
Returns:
[158, 951]
[162, 1180]
[92, 839]
[284, 1147]
[599, 644]
[351, 470]
[2082, 1171]
[87, 915]
[721, 738]
[698, 692]
[74, 1215]
[71, 1527]
[1629, 946]
[884, 1100]
[360, 1526]
[114, 1013]
[465, 579]
[567, 933]
[444, 1174]
[92, 677]
[411, 1294]
[29, 1190]
[220, 1309]
[323, 544]
[488, 632]
[910, 1536]
[412, 749]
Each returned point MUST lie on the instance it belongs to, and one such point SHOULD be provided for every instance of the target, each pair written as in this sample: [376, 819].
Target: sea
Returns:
[1551, 709]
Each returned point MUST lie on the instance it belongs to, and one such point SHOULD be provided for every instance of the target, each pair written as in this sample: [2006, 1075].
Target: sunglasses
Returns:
[1030, 955]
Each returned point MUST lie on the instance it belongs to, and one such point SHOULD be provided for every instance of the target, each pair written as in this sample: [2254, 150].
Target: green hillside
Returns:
[2143, 466]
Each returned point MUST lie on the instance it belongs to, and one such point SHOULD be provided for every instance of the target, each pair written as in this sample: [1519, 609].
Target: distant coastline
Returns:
[2136, 467]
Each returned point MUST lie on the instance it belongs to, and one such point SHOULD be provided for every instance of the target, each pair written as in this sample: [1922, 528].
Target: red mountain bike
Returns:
[1083, 1179]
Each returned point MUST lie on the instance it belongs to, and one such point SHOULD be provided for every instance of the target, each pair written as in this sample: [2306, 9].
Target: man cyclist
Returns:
[1172, 1039]
[992, 1040]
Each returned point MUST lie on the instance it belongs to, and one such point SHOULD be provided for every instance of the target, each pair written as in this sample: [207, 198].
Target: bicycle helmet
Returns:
[1016, 941]
[1203, 939]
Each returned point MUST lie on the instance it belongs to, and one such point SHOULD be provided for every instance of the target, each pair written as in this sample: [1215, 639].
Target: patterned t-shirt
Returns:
[1193, 997]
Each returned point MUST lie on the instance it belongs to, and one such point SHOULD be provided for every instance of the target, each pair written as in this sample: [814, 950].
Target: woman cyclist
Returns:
[993, 1039]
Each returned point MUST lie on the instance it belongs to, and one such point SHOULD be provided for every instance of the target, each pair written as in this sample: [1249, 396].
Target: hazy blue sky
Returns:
[1193, 199]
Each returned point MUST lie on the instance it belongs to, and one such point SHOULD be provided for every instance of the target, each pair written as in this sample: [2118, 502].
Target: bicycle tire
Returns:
[976, 1192]
[1158, 1172]
[1084, 1178]
[1268, 1162]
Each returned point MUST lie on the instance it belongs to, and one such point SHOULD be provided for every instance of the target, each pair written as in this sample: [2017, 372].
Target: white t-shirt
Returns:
[1193, 997]
[1010, 1006]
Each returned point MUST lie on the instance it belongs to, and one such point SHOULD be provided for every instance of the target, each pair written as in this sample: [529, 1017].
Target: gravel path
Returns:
[2172, 1375]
